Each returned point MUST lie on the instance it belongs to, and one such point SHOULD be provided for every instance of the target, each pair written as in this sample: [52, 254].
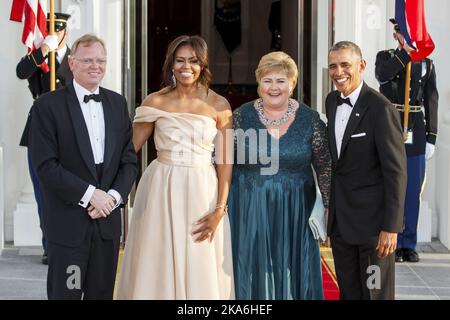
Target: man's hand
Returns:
[95, 214]
[387, 243]
[429, 151]
[102, 202]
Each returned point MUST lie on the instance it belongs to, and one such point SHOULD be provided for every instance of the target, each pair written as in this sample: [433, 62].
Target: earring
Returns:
[174, 80]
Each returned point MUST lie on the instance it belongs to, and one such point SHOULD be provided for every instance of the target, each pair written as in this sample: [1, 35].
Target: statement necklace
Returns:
[277, 122]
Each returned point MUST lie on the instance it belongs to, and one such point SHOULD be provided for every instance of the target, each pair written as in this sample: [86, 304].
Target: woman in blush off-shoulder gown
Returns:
[179, 243]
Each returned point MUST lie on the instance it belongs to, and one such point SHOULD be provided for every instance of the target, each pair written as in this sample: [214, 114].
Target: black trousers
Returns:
[86, 272]
[361, 275]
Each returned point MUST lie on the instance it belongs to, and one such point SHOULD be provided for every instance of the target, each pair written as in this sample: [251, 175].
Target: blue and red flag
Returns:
[410, 16]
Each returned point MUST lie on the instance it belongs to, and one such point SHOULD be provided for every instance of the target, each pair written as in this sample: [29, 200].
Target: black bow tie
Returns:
[341, 100]
[95, 97]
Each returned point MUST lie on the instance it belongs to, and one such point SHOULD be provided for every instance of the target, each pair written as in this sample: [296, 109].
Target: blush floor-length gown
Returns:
[161, 258]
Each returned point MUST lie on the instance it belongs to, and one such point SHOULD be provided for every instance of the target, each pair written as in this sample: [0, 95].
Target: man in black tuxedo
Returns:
[368, 179]
[31, 67]
[81, 148]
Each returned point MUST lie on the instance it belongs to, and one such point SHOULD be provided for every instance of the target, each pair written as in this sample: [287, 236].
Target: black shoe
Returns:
[44, 259]
[410, 255]
[399, 255]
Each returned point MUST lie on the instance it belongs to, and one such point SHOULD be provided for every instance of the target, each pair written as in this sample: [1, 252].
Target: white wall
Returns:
[364, 23]
[104, 19]
[2, 203]
[15, 101]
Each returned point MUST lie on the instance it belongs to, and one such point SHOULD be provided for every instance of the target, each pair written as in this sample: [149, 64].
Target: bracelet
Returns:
[219, 206]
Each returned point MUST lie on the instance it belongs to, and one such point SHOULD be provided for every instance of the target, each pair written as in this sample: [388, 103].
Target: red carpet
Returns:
[330, 288]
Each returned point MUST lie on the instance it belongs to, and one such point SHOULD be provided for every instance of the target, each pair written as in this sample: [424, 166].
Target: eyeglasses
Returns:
[89, 61]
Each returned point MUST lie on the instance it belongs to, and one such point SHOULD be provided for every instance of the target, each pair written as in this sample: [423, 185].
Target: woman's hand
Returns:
[326, 243]
[208, 225]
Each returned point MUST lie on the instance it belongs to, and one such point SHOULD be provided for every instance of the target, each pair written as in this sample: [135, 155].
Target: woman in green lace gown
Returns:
[273, 191]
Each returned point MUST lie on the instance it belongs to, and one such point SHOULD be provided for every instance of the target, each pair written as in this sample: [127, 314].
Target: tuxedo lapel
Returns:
[331, 127]
[110, 138]
[81, 131]
[355, 117]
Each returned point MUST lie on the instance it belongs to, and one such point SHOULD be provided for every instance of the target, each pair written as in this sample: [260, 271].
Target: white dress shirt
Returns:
[61, 53]
[343, 112]
[95, 123]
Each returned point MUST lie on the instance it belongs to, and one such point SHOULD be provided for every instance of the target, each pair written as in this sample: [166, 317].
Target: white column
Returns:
[437, 190]
[2, 205]
[321, 77]
[26, 219]
[442, 194]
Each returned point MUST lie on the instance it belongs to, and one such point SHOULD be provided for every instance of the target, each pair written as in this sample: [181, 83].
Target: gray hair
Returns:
[346, 45]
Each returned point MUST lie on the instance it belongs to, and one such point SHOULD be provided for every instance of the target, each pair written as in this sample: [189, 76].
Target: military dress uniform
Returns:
[390, 71]
[39, 83]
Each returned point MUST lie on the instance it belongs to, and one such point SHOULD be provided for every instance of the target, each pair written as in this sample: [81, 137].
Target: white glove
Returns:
[429, 151]
[51, 41]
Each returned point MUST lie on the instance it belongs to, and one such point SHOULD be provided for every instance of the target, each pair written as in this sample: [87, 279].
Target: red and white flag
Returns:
[35, 24]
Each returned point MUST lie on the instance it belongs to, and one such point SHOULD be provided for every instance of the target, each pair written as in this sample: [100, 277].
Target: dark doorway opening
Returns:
[260, 24]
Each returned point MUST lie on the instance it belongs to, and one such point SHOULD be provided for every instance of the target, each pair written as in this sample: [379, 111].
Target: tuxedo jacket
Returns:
[39, 82]
[62, 157]
[368, 183]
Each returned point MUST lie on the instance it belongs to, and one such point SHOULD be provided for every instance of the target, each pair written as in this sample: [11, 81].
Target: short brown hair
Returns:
[87, 39]
[201, 51]
[277, 60]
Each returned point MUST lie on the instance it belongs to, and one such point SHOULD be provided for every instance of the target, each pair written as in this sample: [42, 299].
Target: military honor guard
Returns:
[421, 126]
[34, 67]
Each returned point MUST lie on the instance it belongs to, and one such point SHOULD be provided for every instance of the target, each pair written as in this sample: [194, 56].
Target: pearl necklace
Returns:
[278, 122]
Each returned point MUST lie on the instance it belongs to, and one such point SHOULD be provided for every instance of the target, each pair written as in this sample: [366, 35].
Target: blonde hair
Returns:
[274, 61]
[86, 40]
